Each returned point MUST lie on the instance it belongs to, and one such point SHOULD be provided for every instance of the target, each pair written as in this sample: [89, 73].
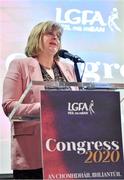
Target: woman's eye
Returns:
[50, 33]
[58, 35]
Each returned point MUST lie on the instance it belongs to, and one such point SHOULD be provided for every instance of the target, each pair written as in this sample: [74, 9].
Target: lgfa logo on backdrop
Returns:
[81, 108]
[87, 20]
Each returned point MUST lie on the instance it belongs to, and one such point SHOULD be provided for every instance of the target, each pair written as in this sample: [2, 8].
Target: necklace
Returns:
[51, 73]
[45, 67]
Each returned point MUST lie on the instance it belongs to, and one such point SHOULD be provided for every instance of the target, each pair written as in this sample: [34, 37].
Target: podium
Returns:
[81, 130]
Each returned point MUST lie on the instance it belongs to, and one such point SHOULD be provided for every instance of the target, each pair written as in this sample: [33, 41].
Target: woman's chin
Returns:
[53, 50]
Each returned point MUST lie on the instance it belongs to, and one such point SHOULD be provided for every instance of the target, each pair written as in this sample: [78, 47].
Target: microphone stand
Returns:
[79, 79]
[77, 72]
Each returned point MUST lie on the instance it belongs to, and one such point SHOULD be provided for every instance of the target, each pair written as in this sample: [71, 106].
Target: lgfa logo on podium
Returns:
[81, 108]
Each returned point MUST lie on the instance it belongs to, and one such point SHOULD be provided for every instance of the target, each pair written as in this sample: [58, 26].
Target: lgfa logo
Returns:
[81, 108]
[87, 20]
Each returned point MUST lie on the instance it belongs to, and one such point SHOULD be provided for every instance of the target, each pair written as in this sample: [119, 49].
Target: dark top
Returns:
[59, 76]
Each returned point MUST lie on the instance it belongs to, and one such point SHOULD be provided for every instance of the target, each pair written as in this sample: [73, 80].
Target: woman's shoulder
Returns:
[23, 61]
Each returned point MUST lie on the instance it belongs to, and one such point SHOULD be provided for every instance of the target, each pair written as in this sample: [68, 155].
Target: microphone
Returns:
[65, 54]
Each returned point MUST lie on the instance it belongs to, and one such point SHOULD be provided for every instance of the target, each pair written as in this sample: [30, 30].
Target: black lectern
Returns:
[81, 131]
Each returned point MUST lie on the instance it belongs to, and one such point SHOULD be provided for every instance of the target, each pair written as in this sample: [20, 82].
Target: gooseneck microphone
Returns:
[65, 54]
[76, 59]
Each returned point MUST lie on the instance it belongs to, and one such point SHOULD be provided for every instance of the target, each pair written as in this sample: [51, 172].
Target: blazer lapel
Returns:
[35, 75]
[34, 70]
[67, 71]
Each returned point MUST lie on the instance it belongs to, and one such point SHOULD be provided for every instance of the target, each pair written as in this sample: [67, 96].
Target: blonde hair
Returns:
[34, 43]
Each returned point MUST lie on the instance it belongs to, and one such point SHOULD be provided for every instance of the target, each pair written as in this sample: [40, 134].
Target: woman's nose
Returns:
[55, 36]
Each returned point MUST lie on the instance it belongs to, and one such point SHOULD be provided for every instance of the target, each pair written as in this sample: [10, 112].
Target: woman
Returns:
[41, 64]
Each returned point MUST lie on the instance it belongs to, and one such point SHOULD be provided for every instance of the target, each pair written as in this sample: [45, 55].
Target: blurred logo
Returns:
[87, 20]
[81, 108]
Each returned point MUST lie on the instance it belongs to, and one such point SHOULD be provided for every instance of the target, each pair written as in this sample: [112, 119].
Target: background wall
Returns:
[93, 29]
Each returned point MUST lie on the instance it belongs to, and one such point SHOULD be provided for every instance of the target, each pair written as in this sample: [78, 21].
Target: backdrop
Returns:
[93, 30]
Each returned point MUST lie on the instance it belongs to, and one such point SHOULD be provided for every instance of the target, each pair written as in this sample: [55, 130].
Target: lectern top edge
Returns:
[83, 85]
[59, 84]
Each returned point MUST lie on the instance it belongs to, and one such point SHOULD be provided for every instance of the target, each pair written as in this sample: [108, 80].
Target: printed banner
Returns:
[81, 135]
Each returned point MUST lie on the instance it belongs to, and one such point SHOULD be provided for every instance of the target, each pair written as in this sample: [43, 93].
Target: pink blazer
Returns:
[25, 144]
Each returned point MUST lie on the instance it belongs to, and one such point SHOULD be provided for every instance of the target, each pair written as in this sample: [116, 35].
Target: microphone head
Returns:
[65, 54]
[62, 53]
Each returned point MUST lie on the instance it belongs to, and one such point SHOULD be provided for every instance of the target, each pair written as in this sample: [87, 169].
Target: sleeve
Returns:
[12, 91]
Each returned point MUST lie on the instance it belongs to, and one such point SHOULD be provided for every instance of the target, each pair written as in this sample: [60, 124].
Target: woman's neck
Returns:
[46, 61]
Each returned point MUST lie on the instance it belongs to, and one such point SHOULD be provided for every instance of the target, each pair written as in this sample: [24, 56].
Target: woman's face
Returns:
[51, 42]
